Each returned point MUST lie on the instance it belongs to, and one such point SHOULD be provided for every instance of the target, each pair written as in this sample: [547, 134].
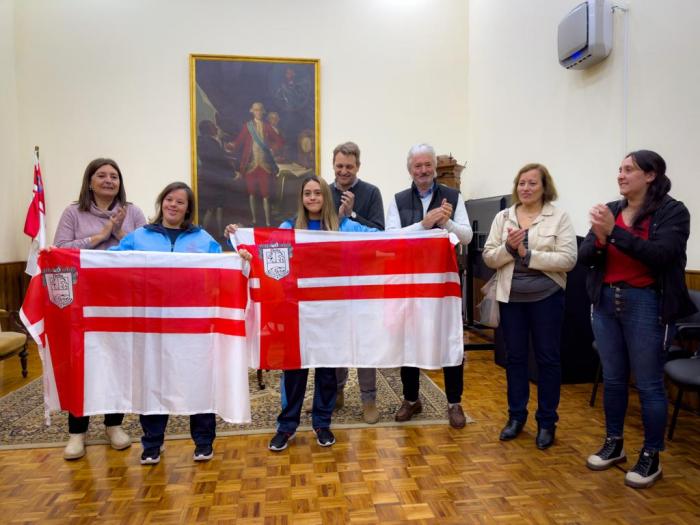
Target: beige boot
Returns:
[117, 437]
[75, 448]
[370, 414]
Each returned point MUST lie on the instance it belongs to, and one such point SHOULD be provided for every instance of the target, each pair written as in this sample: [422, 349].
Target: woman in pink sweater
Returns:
[97, 220]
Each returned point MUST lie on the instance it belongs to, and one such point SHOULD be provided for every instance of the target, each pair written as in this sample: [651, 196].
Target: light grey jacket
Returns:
[551, 241]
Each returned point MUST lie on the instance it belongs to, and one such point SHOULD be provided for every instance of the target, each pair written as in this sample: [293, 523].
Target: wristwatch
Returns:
[353, 215]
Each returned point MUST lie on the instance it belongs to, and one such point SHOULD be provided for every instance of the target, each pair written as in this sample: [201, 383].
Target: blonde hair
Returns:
[549, 190]
[329, 215]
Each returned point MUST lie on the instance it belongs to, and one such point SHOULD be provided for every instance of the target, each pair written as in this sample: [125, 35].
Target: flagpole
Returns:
[34, 225]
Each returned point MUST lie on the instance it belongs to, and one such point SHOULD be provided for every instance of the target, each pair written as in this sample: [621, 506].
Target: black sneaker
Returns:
[610, 454]
[280, 441]
[646, 471]
[324, 437]
[203, 453]
[151, 456]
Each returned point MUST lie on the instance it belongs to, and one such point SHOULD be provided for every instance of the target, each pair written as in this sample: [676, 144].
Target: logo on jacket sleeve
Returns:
[59, 283]
[275, 259]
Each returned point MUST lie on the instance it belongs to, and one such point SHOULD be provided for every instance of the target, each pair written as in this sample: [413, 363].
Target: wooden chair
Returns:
[12, 343]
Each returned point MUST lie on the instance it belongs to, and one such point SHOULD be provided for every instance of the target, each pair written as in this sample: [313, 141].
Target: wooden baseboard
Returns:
[692, 279]
[13, 284]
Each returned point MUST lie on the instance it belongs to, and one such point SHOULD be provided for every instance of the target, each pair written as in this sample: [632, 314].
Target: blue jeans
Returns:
[293, 387]
[630, 337]
[202, 429]
[542, 321]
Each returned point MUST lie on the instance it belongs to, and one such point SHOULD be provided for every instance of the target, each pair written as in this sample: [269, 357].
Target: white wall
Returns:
[11, 216]
[524, 107]
[111, 78]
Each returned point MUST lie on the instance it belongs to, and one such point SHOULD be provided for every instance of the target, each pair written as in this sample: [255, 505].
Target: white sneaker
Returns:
[75, 448]
[117, 437]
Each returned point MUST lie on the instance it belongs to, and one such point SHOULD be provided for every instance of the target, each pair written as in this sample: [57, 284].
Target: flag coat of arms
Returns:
[142, 332]
[340, 299]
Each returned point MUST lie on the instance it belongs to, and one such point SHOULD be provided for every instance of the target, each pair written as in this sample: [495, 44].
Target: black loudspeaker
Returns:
[579, 362]
[481, 213]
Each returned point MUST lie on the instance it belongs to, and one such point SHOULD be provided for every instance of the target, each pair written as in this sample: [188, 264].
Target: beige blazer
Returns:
[551, 241]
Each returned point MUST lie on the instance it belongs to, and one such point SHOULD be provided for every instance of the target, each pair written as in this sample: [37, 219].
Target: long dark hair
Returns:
[85, 199]
[651, 162]
[174, 186]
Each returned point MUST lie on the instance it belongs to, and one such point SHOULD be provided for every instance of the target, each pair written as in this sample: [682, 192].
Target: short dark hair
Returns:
[651, 162]
[549, 190]
[85, 198]
[174, 186]
[348, 148]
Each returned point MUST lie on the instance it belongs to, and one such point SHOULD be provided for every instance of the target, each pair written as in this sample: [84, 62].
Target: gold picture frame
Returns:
[255, 130]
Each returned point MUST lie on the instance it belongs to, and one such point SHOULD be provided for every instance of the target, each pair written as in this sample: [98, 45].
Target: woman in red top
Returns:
[636, 254]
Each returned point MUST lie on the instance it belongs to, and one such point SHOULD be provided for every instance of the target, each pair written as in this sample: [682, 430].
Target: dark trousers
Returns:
[454, 382]
[202, 429]
[79, 425]
[293, 387]
[541, 321]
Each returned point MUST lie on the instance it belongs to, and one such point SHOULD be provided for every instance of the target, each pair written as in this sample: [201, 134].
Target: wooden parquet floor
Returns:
[432, 474]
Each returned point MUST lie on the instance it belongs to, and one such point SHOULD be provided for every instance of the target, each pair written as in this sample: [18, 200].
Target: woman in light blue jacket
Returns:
[173, 231]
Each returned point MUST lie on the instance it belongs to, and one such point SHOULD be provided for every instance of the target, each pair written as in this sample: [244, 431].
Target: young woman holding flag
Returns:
[173, 231]
[315, 211]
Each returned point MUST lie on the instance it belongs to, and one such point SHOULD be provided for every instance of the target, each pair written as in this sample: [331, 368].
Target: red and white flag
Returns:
[142, 332]
[335, 299]
[35, 223]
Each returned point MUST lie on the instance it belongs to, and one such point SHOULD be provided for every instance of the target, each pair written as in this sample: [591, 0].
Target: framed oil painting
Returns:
[255, 136]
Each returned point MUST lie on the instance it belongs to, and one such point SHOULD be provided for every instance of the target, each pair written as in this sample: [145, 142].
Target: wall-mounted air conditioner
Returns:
[585, 35]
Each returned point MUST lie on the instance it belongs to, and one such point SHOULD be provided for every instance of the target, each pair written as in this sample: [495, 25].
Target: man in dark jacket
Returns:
[354, 198]
[423, 206]
[362, 202]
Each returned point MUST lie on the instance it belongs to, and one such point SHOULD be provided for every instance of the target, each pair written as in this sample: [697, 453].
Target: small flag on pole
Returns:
[35, 223]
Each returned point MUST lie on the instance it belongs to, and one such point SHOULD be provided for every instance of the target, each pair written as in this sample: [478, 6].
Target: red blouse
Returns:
[621, 267]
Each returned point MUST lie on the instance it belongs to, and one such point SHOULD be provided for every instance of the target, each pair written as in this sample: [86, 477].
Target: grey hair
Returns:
[420, 149]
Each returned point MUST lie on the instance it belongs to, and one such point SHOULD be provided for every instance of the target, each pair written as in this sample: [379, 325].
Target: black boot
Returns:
[511, 430]
[545, 437]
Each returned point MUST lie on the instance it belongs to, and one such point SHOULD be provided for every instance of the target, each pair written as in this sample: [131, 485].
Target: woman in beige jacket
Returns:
[531, 246]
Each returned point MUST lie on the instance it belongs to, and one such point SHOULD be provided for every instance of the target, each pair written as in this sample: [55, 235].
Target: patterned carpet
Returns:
[23, 425]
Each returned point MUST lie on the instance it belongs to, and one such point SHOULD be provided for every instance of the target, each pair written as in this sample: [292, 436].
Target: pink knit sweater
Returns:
[76, 227]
